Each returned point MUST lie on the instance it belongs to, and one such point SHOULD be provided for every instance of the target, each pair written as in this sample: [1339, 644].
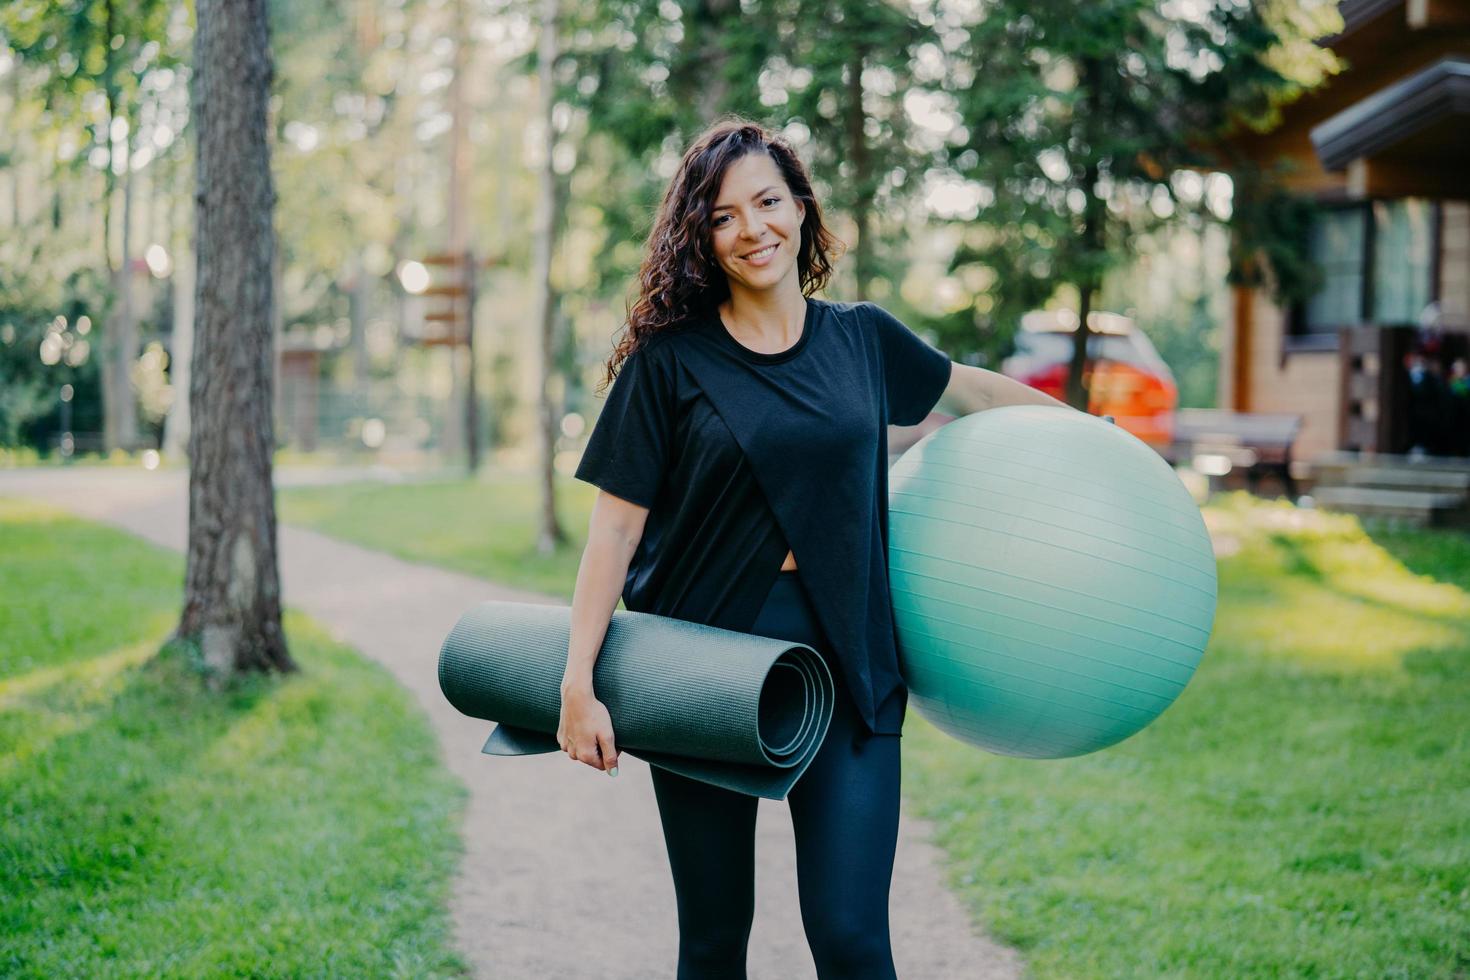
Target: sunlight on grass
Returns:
[40, 707]
[149, 826]
[1325, 596]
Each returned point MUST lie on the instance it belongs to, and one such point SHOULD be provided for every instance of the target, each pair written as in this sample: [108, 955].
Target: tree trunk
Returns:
[549, 208]
[119, 336]
[232, 601]
[706, 81]
[1077, 393]
[1094, 214]
[863, 257]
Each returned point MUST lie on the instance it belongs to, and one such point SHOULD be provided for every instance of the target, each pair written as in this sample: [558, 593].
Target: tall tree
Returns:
[847, 84]
[1079, 115]
[832, 75]
[548, 213]
[232, 601]
[108, 48]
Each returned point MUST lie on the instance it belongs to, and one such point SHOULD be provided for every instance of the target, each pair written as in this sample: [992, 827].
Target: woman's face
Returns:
[754, 211]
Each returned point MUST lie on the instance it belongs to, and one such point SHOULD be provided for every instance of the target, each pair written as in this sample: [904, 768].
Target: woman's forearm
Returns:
[974, 389]
[1009, 391]
[600, 578]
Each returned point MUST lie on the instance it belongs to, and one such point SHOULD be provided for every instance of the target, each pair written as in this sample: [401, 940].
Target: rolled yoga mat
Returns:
[744, 712]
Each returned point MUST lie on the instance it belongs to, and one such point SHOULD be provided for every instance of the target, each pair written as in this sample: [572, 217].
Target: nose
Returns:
[753, 231]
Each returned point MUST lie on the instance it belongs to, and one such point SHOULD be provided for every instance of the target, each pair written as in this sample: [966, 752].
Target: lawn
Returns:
[1303, 810]
[485, 527]
[299, 826]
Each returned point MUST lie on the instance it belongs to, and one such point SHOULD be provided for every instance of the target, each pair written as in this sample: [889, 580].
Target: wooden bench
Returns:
[1257, 442]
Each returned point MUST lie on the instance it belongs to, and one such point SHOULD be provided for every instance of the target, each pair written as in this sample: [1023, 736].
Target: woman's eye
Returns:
[721, 219]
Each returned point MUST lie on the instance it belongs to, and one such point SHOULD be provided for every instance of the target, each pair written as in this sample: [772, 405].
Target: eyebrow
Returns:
[726, 207]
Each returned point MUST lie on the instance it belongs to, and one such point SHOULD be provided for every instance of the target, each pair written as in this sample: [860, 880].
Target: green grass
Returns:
[485, 527]
[296, 826]
[1303, 810]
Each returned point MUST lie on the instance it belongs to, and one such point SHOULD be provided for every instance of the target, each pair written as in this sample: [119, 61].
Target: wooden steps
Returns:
[1420, 491]
[1412, 478]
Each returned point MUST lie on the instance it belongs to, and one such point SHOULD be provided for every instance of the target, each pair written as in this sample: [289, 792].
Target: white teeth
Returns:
[762, 253]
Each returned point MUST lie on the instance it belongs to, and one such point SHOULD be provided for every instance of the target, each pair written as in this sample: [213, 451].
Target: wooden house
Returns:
[1384, 148]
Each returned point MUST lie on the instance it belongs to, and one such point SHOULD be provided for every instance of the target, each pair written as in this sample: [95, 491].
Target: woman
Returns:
[742, 462]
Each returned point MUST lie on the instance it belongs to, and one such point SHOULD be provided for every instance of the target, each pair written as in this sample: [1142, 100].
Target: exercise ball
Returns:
[1053, 582]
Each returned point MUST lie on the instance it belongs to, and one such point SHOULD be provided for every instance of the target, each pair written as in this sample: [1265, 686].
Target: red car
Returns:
[1128, 379]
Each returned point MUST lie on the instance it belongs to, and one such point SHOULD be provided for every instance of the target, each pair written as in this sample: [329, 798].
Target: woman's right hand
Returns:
[585, 731]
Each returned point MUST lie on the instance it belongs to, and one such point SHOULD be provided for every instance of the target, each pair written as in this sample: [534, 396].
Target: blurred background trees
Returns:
[978, 159]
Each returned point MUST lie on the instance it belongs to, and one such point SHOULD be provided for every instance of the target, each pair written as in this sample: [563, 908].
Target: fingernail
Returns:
[613, 772]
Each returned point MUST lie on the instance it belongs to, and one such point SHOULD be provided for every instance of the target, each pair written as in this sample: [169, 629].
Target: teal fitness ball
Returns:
[1053, 582]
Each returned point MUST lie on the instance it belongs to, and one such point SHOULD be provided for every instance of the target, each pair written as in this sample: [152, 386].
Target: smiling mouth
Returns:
[761, 253]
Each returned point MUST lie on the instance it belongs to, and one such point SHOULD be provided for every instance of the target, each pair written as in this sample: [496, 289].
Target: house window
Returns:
[1403, 250]
[1377, 262]
[1339, 245]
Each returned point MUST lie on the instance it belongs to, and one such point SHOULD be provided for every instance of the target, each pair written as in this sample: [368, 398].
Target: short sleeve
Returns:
[914, 373]
[628, 450]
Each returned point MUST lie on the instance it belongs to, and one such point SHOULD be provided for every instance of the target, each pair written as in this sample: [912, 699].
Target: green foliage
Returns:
[1077, 118]
[344, 147]
[83, 46]
[645, 83]
[29, 396]
[84, 77]
[880, 99]
[647, 78]
[148, 827]
[1174, 289]
[1272, 225]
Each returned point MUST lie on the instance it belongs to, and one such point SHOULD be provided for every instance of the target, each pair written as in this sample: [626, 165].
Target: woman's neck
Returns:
[769, 320]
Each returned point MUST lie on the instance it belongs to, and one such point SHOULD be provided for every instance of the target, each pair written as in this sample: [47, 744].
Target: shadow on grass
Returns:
[1443, 554]
[105, 745]
[1447, 562]
[164, 827]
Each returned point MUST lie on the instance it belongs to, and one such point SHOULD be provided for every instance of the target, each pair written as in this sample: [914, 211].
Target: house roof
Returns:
[1425, 112]
[1357, 13]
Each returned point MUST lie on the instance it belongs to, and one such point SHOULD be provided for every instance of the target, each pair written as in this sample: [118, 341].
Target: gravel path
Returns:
[544, 890]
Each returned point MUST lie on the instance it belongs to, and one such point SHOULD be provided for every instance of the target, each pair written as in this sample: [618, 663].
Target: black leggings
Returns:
[844, 810]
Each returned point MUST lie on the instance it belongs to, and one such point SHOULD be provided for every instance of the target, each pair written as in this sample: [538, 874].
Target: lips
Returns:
[762, 255]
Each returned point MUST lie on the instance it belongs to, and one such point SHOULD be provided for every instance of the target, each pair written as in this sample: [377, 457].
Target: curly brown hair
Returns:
[680, 277]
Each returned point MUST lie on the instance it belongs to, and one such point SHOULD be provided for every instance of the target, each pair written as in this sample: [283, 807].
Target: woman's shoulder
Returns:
[857, 314]
[862, 321]
[838, 306]
[663, 344]
[662, 352]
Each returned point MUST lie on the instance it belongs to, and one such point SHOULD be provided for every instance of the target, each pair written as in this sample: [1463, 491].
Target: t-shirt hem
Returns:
[612, 488]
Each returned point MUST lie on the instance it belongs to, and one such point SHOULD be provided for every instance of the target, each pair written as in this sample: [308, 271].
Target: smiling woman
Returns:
[741, 462]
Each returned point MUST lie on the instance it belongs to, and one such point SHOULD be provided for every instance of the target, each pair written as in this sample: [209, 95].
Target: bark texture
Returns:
[232, 603]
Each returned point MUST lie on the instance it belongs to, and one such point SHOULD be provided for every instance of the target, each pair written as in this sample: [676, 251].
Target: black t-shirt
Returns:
[739, 455]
